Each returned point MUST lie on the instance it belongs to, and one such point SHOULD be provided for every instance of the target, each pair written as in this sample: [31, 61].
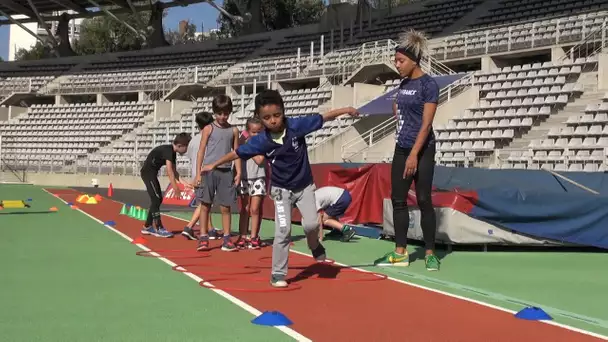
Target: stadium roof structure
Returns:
[47, 10]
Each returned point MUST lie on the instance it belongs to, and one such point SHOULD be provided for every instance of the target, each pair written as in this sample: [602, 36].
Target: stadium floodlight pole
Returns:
[113, 16]
[11, 19]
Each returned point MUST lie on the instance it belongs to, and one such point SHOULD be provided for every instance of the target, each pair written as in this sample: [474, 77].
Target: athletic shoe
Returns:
[319, 253]
[203, 243]
[162, 232]
[347, 233]
[255, 243]
[431, 262]
[241, 243]
[215, 234]
[334, 233]
[393, 259]
[278, 280]
[188, 233]
[228, 245]
[148, 230]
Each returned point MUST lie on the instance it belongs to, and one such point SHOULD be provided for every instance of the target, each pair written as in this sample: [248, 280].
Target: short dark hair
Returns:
[221, 104]
[268, 97]
[203, 119]
[252, 120]
[182, 139]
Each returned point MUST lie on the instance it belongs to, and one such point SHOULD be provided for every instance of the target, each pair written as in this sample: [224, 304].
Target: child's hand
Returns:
[177, 191]
[237, 179]
[206, 168]
[354, 112]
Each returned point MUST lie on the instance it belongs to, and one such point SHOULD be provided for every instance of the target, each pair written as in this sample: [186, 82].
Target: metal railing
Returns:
[379, 52]
[491, 42]
[171, 77]
[16, 85]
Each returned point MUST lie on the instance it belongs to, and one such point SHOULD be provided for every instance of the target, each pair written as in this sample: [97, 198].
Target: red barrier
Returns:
[368, 184]
[186, 196]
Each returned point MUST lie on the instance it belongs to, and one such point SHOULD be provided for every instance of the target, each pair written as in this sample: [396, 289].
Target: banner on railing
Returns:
[185, 198]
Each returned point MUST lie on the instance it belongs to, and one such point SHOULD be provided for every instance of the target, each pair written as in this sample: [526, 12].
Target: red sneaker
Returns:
[255, 243]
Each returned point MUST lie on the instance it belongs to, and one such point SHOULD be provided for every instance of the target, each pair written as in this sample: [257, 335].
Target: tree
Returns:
[104, 34]
[276, 14]
[36, 52]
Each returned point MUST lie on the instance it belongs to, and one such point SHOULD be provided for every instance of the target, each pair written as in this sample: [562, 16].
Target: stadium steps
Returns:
[575, 108]
[464, 22]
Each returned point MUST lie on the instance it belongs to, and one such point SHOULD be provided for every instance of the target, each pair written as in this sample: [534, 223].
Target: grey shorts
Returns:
[217, 188]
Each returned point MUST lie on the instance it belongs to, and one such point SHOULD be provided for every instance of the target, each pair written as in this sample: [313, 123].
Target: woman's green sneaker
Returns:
[393, 259]
[432, 262]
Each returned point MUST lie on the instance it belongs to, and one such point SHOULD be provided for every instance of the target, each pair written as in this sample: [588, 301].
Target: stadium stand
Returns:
[531, 95]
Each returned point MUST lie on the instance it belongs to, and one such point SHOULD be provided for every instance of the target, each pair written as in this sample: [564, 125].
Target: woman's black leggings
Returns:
[156, 199]
[399, 190]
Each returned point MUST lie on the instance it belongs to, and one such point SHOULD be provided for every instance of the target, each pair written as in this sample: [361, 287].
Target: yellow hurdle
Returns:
[13, 204]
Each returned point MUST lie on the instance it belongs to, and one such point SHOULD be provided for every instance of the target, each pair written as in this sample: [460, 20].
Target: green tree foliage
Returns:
[276, 14]
[104, 34]
[98, 35]
[36, 52]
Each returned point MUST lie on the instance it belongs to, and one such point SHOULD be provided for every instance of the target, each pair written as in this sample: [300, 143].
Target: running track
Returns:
[340, 309]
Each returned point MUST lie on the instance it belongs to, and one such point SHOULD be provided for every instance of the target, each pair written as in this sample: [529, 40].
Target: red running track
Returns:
[347, 308]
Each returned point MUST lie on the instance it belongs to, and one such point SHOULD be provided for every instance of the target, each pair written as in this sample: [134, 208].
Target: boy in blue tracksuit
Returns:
[283, 143]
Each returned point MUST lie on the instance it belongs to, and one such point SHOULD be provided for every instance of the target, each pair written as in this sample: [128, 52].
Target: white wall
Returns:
[21, 39]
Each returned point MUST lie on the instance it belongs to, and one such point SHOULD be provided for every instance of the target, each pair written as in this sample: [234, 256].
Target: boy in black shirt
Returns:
[163, 155]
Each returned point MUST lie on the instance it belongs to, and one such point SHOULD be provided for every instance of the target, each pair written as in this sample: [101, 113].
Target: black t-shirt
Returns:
[157, 158]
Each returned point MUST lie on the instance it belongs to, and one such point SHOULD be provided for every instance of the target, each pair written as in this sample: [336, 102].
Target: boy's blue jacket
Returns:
[289, 162]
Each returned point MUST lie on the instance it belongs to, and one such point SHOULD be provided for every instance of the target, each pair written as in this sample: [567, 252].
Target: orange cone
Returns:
[110, 190]
[75, 207]
[139, 241]
[98, 198]
[53, 209]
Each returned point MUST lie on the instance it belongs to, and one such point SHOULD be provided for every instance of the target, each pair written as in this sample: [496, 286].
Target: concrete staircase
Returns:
[575, 108]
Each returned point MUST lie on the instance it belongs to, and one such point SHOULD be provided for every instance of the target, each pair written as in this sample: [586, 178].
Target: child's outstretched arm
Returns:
[332, 114]
[255, 146]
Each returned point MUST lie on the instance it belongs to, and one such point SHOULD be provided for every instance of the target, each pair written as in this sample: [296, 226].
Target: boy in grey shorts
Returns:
[284, 144]
[202, 119]
[217, 139]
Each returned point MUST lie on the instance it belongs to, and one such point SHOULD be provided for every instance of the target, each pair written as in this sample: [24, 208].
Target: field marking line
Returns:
[292, 333]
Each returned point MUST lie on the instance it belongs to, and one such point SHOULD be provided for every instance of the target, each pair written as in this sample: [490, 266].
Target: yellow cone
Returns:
[91, 200]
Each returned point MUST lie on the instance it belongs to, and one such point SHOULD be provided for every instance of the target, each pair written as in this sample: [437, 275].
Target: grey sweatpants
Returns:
[283, 204]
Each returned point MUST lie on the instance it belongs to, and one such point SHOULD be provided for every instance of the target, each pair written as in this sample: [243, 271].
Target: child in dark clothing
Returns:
[163, 155]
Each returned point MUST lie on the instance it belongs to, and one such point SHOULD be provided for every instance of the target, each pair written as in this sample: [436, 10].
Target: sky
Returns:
[197, 14]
